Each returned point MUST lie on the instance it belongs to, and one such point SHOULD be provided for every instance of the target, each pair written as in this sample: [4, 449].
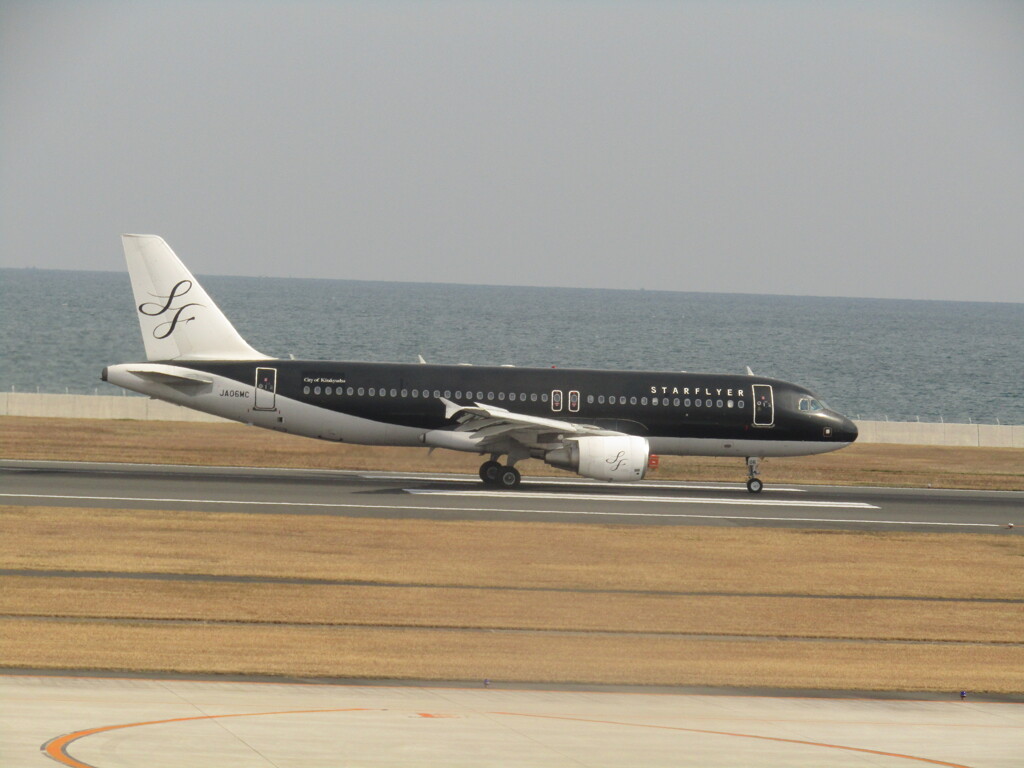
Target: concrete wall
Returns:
[97, 407]
[134, 407]
[928, 433]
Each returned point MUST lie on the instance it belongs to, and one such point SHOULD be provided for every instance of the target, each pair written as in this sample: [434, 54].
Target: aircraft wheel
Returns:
[509, 477]
[754, 485]
[489, 472]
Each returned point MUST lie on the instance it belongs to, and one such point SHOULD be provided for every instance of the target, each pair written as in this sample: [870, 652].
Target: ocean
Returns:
[868, 358]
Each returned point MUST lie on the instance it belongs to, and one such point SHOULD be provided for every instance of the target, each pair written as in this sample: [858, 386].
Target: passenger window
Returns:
[316, 390]
[675, 402]
[437, 393]
[305, 390]
[643, 401]
[501, 395]
[405, 393]
[533, 397]
[719, 403]
[350, 391]
[329, 391]
[544, 397]
[632, 400]
[686, 402]
[512, 397]
[479, 395]
[490, 395]
[362, 391]
[739, 404]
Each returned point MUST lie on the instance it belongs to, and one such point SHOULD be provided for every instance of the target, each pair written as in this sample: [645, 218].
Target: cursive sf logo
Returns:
[163, 330]
[617, 460]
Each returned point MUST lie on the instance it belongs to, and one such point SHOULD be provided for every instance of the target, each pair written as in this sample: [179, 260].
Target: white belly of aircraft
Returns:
[230, 399]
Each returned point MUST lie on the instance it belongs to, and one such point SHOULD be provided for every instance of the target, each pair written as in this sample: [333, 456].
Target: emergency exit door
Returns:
[266, 389]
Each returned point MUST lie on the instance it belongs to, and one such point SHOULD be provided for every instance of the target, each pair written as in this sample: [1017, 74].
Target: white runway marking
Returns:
[570, 483]
[745, 502]
[563, 512]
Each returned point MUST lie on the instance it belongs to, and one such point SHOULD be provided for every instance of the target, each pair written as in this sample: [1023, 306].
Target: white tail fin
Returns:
[179, 320]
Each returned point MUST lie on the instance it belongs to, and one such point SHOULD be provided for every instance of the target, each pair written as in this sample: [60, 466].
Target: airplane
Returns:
[601, 424]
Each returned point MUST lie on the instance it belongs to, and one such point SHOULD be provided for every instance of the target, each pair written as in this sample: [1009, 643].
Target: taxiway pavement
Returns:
[151, 723]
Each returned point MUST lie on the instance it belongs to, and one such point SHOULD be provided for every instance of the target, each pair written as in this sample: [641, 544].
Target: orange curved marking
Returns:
[57, 748]
[743, 736]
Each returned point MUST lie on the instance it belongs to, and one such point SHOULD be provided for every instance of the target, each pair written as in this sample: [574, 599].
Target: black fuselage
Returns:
[650, 404]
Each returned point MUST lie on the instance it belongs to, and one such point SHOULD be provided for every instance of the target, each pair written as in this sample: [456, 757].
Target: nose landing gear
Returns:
[754, 485]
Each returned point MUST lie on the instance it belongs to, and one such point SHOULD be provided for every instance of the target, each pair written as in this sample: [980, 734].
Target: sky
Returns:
[867, 149]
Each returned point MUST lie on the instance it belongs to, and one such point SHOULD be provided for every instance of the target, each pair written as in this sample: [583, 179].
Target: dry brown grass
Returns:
[490, 609]
[554, 584]
[511, 554]
[238, 445]
[432, 654]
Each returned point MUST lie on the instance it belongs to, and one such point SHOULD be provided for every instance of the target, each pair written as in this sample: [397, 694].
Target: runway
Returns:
[462, 497]
[159, 723]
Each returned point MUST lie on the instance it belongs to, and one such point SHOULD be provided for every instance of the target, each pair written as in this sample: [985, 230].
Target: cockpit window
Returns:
[811, 404]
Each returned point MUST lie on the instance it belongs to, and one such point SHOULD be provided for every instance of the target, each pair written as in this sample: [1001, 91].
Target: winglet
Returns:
[450, 408]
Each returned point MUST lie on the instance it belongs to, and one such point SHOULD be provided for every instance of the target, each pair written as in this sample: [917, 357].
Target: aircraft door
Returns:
[764, 406]
[266, 389]
[556, 400]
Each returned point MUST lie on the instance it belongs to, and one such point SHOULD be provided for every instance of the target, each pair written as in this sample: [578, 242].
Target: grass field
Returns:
[518, 601]
[204, 592]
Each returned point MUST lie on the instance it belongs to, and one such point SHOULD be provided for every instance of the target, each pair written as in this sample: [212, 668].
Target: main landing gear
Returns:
[494, 473]
[754, 485]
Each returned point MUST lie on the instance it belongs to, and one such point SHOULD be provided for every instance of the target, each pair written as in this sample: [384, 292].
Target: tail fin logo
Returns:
[152, 309]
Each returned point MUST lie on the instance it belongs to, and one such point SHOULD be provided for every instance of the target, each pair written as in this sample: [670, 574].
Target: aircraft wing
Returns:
[491, 425]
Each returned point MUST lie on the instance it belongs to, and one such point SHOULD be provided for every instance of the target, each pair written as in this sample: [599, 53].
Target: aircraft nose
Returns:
[847, 431]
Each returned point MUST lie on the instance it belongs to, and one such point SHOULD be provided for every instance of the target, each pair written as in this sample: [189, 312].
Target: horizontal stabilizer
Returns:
[171, 379]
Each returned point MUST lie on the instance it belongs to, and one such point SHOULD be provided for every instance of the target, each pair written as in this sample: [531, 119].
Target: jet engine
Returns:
[614, 457]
